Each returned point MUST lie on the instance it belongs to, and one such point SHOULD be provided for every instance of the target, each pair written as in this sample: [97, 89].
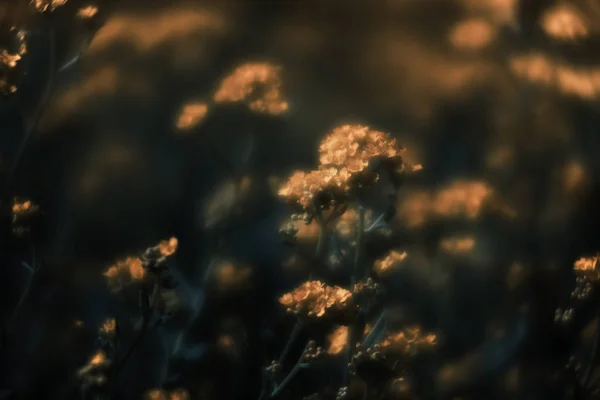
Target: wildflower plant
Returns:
[353, 160]
[147, 274]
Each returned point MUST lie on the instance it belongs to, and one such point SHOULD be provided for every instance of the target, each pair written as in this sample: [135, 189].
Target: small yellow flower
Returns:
[168, 247]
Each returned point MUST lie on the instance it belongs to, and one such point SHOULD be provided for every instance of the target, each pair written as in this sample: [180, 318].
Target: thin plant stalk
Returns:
[593, 359]
[30, 128]
[141, 335]
[297, 367]
[357, 328]
[288, 346]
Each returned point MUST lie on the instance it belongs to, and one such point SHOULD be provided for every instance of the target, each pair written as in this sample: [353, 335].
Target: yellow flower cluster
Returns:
[408, 341]
[352, 147]
[586, 264]
[109, 328]
[47, 5]
[304, 189]
[257, 84]
[315, 299]
[389, 262]
[131, 269]
[344, 155]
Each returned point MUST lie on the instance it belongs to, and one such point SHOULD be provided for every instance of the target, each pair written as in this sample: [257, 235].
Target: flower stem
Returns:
[294, 335]
[38, 113]
[593, 359]
[357, 328]
[297, 367]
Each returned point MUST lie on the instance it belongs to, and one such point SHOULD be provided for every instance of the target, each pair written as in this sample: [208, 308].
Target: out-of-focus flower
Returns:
[93, 373]
[228, 276]
[157, 394]
[179, 394]
[389, 263]
[458, 245]
[472, 34]
[148, 31]
[408, 341]
[351, 149]
[564, 22]
[78, 324]
[258, 85]
[191, 115]
[574, 176]
[540, 69]
[168, 247]
[462, 197]
[314, 299]
[338, 340]
[501, 12]
[347, 224]
[459, 199]
[161, 394]
[109, 328]
[227, 202]
[47, 5]
[87, 12]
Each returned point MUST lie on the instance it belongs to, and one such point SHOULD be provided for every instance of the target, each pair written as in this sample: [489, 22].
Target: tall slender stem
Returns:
[288, 346]
[357, 328]
[593, 359]
[140, 337]
[30, 128]
[297, 367]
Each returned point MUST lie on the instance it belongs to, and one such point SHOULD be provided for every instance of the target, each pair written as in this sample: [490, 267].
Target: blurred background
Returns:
[148, 132]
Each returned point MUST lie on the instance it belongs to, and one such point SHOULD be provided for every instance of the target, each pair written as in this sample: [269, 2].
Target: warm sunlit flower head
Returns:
[191, 115]
[389, 262]
[168, 247]
[316, 188]
[472, 34]
[539, 69]
[179, 394]
[501, 12]
[47, 5]
[98, 358]
[353, 147]
[314, 299]
[125, 271]
[23, 207]
[258, 85]
[563, 22]
[338, 340]
[157, 394]
[408, 341]
[229, 276]
[87, 12]
[109, 327]
[458, 245]
[586, 264]
[459, 199]
[462, 197]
